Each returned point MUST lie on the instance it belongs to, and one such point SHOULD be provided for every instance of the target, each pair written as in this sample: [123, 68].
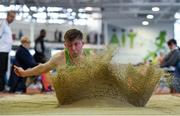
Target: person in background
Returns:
[173, 57]
[24, 59]
[5, 45]
[40, 57]
[40, 48]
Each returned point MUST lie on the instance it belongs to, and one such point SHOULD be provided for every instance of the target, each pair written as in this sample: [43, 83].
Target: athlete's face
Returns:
[74, 47]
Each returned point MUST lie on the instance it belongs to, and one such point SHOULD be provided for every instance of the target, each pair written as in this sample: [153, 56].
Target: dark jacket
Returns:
[24, 59]
[39, 50]
[172, 58]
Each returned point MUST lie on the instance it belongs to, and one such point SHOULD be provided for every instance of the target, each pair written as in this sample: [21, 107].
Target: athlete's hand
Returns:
[19, 71]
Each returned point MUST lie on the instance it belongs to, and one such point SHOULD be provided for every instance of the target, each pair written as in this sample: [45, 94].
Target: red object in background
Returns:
[45, 82]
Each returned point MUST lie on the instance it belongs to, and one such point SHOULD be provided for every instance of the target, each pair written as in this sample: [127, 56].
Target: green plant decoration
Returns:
[131, 36]
[160, 41]
[123, 37]
[114, 38]
[159, 44]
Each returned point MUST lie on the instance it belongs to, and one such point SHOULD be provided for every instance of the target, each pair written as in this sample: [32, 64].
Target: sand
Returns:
[125, 83]
[47, 104]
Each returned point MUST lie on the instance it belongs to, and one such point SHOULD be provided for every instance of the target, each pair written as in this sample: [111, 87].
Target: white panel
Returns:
[177, 32]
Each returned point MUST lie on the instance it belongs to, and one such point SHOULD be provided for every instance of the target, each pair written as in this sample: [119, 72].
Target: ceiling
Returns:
[113, 10]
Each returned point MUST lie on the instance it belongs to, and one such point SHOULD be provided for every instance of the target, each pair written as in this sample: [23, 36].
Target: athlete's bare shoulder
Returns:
[58, 58]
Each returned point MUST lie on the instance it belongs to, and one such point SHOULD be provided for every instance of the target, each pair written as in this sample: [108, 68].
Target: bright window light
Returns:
[58, 21]
[8, 8]
[25, 8]
[155, 9]
[32, 52]
[150, 16]
[33, 8]
[81, 10]
[70, 22]
[88, 8]
[63, 15]
[53, 15]
[25, 14]
[71, 17]
[145, 23]
[19, 16]
[12, 53]
[80, 21]
[41, 21]
[41, 15]
[73, 14]
[41, 9]
[17, 7]
[28, 19]
[176, 31]
[3, 15]
[69, 10]
[14, 7]
[3, 8]
[83, 15]
[96, 15]
[177, 15]
[51, 9]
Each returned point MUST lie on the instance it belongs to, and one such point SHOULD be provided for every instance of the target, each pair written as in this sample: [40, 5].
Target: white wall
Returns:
[177, 32]
[144, 41]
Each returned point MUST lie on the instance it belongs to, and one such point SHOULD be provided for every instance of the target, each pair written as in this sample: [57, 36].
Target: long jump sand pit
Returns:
[97, 87]
[47, 104]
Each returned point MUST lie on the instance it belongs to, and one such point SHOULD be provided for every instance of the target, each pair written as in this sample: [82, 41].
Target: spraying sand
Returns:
[96, 78]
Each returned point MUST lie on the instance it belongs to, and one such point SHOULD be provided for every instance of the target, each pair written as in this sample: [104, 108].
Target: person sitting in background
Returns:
[24, 59]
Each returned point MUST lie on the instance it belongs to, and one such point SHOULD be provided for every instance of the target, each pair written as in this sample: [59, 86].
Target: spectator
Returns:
[5, 46]
[173, 59]
[24, 59]
[40, 48]
[173, 56]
